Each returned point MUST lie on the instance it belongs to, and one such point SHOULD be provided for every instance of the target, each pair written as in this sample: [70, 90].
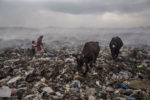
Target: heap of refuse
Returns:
[54, 76]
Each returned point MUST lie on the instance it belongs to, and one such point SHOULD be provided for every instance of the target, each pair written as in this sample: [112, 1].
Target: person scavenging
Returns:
[39, 43]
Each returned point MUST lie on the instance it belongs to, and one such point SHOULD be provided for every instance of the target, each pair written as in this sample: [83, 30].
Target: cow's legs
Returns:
[115, 54]
[95, 58]
[87, 69]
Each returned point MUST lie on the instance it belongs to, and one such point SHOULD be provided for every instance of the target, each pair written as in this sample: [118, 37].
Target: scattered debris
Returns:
[54, 76]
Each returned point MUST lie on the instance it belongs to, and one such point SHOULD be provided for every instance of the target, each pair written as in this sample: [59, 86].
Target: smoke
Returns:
[54, 37]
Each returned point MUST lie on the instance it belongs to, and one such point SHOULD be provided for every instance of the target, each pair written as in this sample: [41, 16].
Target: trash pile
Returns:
[53, 75]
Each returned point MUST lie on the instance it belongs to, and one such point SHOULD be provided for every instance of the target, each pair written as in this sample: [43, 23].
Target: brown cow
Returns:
[89, 55]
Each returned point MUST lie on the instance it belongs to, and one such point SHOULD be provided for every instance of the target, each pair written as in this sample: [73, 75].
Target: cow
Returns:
[88, 56]
[115, 46]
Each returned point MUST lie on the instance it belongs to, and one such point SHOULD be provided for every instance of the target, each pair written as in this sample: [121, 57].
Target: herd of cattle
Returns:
[91, 50]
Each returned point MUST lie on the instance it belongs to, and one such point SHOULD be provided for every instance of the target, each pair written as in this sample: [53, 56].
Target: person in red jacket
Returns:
[39, 43]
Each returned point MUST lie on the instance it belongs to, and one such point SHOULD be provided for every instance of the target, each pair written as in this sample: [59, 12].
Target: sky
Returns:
[75, 13]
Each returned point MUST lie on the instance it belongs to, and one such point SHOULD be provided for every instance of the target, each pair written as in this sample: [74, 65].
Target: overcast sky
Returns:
[75, 13]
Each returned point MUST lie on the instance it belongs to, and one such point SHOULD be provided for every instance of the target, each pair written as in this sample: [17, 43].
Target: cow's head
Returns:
[114, 50]
[80, 60]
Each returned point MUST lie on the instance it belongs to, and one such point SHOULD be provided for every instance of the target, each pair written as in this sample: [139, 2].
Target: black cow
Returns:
[115, 45]
[89, 55]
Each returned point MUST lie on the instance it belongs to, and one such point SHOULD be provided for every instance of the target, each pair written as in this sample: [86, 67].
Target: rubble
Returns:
[13, 80]
[53, 75]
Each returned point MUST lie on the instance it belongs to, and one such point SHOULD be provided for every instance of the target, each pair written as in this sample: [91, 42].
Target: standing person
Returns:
[33, 48]
[39, 43]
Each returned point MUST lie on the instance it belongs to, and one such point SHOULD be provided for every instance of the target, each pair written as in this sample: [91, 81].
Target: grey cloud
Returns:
[78, 7]
[16, 12]
[99, 6]
[25, 12]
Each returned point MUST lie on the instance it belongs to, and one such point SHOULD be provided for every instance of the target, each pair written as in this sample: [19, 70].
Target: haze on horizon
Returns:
[75, 13]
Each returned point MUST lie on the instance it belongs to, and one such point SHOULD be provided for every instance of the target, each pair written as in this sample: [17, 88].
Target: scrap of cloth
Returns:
[5, 91]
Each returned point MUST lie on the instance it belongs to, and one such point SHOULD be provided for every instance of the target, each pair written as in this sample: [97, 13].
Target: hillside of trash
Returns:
[53, 75]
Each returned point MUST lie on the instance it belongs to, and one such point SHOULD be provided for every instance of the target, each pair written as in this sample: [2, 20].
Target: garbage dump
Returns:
[50, 77]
